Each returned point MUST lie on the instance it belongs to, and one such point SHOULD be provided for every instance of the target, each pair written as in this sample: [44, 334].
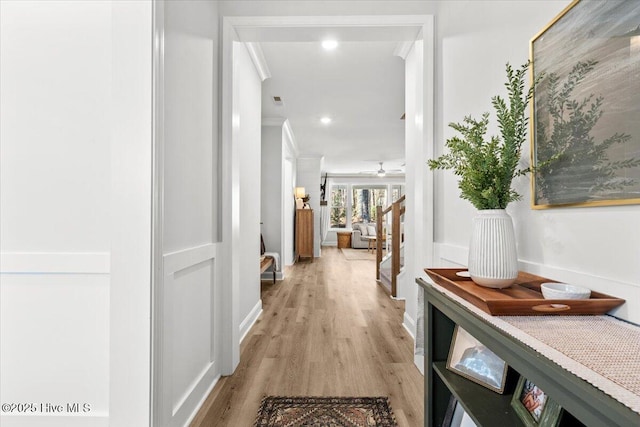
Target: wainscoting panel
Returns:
[189, 351]
[55, 421]
[54, 349]
[55, 262]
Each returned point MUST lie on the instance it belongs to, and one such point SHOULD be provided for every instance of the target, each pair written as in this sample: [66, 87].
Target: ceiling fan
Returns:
[382, 172]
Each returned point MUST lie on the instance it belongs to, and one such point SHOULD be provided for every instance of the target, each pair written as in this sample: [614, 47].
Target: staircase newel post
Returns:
[395, 245]
[378, 240]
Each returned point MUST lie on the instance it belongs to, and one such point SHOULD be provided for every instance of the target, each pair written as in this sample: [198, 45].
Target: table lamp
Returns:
[299, 195]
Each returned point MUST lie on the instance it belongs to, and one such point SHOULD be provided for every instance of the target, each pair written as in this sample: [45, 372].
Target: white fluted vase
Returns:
[493, 260]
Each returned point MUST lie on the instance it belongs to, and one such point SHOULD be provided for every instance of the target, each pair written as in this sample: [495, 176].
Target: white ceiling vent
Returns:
[277, 100]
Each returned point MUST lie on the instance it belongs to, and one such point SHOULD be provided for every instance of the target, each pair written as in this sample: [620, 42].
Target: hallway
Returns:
[327, 330]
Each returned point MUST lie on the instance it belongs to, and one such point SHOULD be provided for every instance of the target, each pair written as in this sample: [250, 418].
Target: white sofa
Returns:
[360, 232]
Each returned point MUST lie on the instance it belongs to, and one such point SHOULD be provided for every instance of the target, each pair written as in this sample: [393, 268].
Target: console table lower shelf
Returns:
[582, 403]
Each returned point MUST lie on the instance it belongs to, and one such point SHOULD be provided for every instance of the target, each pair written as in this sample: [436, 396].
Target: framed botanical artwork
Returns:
[469, 358]
[585, 118]
[533, 406]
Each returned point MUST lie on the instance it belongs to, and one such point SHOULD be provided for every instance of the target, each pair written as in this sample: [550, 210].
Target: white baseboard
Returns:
[251, 318]
[268, 275]
[410, 326]
[419, 362]
[202, 400]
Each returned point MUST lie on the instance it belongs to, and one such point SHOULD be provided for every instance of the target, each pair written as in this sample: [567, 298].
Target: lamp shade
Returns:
[300, 193]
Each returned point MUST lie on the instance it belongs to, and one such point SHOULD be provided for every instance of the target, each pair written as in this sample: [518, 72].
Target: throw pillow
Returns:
[362, 228]
[371, 230]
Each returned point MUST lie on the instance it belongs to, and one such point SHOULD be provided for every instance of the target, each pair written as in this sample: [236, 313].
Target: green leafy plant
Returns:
[487, 167]
[581, 168]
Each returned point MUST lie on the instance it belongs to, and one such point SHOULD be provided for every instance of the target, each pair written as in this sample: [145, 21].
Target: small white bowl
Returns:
[564, 291]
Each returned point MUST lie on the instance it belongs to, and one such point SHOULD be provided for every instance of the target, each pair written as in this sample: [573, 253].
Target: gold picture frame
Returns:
[585, 112]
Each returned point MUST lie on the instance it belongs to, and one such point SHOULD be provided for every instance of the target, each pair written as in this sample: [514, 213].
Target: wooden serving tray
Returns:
[523, 298]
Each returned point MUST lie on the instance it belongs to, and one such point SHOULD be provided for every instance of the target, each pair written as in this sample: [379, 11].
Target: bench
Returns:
[265, 263]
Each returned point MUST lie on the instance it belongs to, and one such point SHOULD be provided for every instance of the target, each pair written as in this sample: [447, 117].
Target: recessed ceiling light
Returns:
[329, 44]
[325, 120]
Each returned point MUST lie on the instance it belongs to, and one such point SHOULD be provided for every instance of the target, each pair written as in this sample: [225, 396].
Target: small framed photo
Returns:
[456, 415]
[469, 358]
[533, 406]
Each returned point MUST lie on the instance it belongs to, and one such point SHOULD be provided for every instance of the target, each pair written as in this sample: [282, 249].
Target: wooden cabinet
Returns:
[304, 233]
[583, 403]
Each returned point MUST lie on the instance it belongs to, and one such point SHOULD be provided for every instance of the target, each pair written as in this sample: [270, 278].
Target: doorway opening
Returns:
[415, 32]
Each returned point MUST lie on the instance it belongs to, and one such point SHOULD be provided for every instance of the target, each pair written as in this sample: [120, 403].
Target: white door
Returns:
[288, 211]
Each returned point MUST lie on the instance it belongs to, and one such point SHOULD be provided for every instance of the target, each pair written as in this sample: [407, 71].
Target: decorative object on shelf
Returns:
[533, 406]
[456, 415]
[486, 168]
[493, 259]
[524, 298]
[585, 114]
[299, 195]
[469, 358]
[552, 290]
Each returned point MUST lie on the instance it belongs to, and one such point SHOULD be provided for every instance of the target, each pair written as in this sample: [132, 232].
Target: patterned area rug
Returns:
[358, 254]
[325, 412]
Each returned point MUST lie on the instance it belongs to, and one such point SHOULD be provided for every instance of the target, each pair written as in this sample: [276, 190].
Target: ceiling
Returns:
[359, 85]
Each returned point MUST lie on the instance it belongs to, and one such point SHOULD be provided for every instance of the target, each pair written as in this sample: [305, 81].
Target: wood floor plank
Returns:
[328, 329]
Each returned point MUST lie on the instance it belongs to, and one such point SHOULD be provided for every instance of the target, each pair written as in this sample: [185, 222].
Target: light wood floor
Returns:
[327, 330]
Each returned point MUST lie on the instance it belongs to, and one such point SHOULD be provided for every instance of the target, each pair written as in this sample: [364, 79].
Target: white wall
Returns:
[55, 88]
[272, 172]
[308, 176]
[247, 115]
[288, 188]
[598, 247]
[414, 224]
[191, 123]
[277, 205]
[131, 206]
[75, 203]
[187, 357]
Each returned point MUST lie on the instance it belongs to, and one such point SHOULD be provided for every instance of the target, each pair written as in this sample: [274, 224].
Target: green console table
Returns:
[583, 403]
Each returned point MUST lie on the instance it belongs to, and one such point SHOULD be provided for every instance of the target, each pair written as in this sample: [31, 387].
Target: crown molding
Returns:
[273, 121]
[259, 61]
[403, 48]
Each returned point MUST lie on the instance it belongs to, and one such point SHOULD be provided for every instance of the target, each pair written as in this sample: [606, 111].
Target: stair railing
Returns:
[397, 209]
